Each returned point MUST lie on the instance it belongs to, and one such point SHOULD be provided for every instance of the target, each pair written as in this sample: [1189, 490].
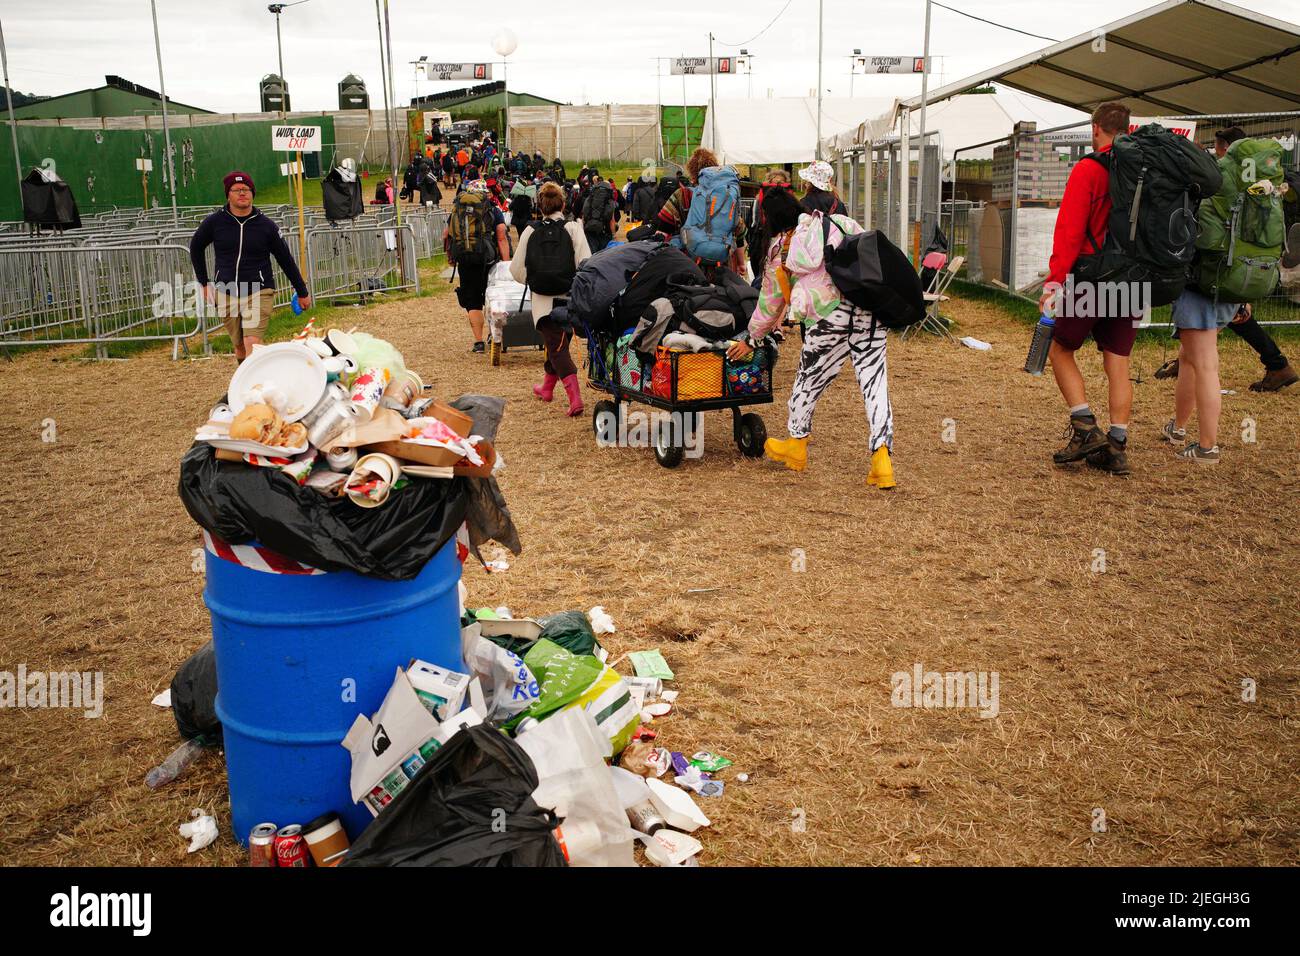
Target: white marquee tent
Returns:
[784, 129]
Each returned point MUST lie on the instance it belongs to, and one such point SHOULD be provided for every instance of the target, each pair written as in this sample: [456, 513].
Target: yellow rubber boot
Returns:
[882, 469]
[791, 452]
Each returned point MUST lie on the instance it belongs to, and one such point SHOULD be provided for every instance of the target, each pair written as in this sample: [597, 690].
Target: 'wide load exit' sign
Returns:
[305, 139]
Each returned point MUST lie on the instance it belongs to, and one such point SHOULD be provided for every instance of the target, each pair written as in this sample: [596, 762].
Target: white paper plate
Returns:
[290, 368]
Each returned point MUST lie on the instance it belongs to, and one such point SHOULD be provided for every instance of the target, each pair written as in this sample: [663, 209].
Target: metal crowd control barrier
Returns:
[106, 282]
[96, 295]
[361, 260]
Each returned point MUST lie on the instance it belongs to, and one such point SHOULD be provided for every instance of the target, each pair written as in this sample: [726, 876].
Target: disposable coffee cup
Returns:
[402, 390]
[342, 459]
[383, 467]
[340, 342]
[368, 391]
[326, 839]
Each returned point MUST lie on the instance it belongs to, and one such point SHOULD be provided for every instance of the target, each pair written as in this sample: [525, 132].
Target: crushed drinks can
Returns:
[290, 848]
[412, 764]
[261, 845]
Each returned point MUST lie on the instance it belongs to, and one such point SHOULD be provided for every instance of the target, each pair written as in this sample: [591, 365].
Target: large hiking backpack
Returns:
[874, 274]
[600, 279]
[709, 232]
[549, 258]
[598, 209]
[1156, 180]
[1243, 226]
[471, 235]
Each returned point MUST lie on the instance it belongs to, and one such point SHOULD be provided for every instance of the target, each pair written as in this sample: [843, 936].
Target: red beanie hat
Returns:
[238, 177]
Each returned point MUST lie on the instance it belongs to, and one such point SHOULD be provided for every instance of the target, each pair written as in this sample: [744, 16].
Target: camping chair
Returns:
[934, 323]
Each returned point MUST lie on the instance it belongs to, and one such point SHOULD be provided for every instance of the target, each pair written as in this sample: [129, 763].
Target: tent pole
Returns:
[162, 88]
[925, 89]
[13, 123]
[904, 177]
[686, 135]
[820, 38]
[713, 95]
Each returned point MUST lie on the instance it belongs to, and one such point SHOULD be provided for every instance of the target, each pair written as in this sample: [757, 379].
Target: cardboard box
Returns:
[441, 691]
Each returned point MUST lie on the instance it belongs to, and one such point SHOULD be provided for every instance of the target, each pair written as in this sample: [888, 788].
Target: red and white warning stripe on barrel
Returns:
[256, 558]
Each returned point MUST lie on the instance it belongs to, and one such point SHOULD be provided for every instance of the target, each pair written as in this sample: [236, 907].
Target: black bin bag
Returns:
[194, 696]
[471, 805]
[238, 504]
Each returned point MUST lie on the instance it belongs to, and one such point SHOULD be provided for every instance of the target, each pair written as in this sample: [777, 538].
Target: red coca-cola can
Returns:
[290, 848]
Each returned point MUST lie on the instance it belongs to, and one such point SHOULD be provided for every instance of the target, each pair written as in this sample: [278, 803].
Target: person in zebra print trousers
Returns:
[795, 277]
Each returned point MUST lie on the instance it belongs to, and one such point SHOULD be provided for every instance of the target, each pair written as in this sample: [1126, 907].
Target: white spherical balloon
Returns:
[505, 42]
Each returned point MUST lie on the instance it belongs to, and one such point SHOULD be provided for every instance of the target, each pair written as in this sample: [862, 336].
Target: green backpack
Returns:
[1243, 228]
[470, 232]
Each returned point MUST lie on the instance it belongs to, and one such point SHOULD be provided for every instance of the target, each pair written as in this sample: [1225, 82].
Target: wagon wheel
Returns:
[668, 447]
[604, 419]
[750, 435]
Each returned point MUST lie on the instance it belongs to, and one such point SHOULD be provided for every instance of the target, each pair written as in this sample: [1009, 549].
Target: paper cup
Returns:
[320, 347]
[342, 459]
[340, 342]
[326, 839]
[402, 390]
[375, 466]
[368, 391]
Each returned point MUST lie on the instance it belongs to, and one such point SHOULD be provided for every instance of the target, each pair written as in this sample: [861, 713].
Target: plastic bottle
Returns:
[295, 304]
[1036, 361]
[174, 765]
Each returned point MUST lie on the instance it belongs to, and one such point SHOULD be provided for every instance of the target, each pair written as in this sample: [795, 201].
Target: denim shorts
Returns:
[1194, 310]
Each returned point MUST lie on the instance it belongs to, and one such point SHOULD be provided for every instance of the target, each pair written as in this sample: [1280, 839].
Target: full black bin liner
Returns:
[239, 503]
[471, 805]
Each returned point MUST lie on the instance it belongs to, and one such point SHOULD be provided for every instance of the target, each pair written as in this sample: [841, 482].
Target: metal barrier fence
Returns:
[361, 260]
[95, 295]
[1008, 241]
[105, 283]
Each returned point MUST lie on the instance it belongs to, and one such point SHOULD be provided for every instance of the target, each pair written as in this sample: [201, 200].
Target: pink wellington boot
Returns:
[546, 391]
[575, 394]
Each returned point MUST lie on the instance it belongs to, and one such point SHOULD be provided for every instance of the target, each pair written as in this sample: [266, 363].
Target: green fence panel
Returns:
[681, 139]
[100, 165]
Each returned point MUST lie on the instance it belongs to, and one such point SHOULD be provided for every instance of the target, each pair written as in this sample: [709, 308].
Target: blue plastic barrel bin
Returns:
[298, 658]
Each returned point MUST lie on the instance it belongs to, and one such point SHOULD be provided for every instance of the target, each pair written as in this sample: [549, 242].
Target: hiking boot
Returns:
[1168, 370]
[1111, 458]
[1202, 456]
[1173, 434]
[478, 349]
[882, 469]
[1275, 381]
[791, 452]
[1085, 438]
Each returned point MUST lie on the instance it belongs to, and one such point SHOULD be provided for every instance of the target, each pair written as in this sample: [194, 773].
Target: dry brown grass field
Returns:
[1119, 690]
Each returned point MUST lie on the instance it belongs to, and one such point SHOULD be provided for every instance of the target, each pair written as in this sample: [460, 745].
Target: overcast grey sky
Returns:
[215, 51]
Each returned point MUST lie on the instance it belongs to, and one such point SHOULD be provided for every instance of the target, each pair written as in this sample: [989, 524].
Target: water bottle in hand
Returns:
[1036, 361]
[295, 304]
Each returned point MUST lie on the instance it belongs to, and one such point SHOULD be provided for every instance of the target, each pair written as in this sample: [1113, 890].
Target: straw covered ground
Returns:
[1120, 690]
